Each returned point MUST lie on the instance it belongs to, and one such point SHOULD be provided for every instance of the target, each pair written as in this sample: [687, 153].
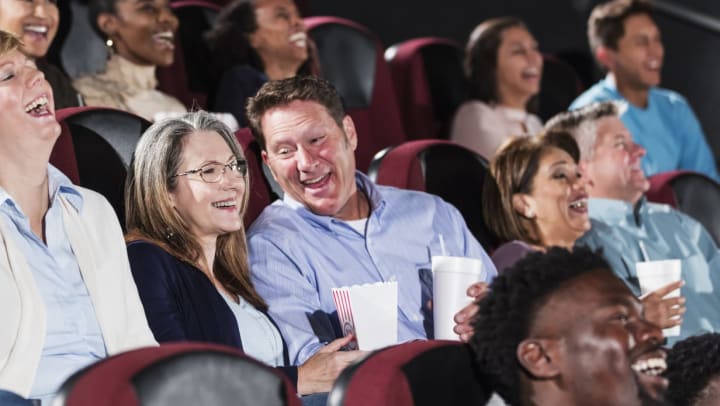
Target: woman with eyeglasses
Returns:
[186, 193]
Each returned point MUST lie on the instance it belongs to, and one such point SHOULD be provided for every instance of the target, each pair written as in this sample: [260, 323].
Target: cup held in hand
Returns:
[653, 275]
[452, 276]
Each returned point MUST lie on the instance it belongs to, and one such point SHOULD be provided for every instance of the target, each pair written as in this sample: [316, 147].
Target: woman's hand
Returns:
[664, 312]
[319, 372]
[464, 317]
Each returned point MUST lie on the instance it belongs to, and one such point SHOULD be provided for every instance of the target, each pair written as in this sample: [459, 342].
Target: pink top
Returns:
[484, 128]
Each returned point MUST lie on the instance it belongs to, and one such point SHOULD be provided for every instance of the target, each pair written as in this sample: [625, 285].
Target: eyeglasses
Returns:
[214, 172]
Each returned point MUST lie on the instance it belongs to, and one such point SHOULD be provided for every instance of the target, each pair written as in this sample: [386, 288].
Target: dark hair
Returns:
[692, 363]
[480, 64]
[97, 7]
[582, 123]
[513, 171]
[229, 40]
[283, 92]
[508, 311]
[606, 24]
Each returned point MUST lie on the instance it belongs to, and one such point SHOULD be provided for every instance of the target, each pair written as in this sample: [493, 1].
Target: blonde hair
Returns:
[149, 213]
[9, 42]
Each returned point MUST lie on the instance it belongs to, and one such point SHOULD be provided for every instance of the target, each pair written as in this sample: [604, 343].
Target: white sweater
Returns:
[97, 241]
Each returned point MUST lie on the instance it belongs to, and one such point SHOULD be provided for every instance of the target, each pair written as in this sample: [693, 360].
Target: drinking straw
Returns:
[643, 251]
[442, 245]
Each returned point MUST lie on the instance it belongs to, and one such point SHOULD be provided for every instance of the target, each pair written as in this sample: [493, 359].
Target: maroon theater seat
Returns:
[187, 78]
[260, 189]
[429, 84]
[104, 140]
[418, 373]
[559, 86]
[63, 155]
[351, 58]
[178, 374]
[442, 168]
[690, 192]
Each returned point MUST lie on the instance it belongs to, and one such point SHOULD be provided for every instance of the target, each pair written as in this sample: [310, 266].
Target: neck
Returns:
[208, 245]
[546, 393]
[28, 185]
[512, 99]
[567, 243]
[277, 70]
[634, 94]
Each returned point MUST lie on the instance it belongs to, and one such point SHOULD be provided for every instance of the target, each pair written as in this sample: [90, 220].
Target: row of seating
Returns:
[416, 373]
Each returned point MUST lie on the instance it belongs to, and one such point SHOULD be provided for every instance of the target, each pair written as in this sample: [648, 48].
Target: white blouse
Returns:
[484, 128]
[260, 339]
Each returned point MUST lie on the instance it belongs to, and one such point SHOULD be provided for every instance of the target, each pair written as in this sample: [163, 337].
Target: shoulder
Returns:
[668, 99]
[147, 249]
[667, 214]
[597, 92]
[277, 220]
[473, 108]
[509, 253]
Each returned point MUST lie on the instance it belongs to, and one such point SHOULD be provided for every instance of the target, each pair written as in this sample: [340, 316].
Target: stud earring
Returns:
[109, 43]
[530, 213]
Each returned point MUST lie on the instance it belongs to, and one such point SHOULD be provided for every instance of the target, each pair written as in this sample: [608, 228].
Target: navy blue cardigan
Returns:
[182, 304]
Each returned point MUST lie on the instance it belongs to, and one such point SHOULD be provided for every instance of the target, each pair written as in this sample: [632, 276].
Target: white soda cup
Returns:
[452, 276]
[653, 275]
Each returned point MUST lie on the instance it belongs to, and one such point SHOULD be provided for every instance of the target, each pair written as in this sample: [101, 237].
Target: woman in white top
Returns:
[503, 67]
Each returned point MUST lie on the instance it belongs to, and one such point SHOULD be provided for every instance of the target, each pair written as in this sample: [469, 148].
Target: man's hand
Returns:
[464, 317]
[664, 312]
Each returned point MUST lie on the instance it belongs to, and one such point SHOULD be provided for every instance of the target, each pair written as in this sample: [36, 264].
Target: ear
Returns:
[107, 24]
[605, 56]
[171, 198]
[524, 204]
[254, 39]
[350, 133]
[540, 357]
[266, 161]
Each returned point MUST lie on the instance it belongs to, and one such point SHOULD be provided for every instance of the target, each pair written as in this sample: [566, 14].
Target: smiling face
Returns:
[35, 22]
[519, 66]
[613, 171]
[638, 60]
[312, 158]
[143, 31]
[603, 349]
[280, 36]
[208, 209]
[557, 201]
[26, 101]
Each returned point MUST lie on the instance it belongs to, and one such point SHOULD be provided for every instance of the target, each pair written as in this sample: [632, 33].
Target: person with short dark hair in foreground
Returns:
[694, 371]
[558, 328]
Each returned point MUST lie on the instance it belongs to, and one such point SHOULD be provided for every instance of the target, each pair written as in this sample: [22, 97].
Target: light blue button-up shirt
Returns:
[667, 129]
[73, 338]
[297, 257]
[618, 227]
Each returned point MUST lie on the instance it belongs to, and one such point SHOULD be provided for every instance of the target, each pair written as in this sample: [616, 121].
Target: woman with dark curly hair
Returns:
[251, 42]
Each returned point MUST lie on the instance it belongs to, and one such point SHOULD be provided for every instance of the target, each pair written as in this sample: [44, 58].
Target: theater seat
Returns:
[261, 188]
[351, 58]
[442, 168]
[559, 86]
[429, 83]
[187, 78]
[690, 192]
[103, 141]
[418, 373]
[178, 374]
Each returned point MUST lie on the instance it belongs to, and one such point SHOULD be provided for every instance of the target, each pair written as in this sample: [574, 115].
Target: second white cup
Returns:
[452, 276]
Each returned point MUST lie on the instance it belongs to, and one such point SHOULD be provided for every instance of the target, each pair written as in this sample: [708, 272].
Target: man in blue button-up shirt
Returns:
[624, 222]
[334, 227]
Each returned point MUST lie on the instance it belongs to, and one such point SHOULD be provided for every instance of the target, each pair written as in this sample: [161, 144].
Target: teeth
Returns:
[228, 203]
[311, 181]
[36, 104]
[166, 35]
[652, 366]
[579, 204]
[298, 36]
[654, 64]
[40, 29]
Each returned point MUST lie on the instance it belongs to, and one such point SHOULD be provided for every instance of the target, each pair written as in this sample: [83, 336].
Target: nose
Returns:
[34, 76]
[305, 160]
[646, 332]
[638, 150]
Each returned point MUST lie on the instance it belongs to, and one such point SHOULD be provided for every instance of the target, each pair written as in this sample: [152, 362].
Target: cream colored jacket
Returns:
[97, 241]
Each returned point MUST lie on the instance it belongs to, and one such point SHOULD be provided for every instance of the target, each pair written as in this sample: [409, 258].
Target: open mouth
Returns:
[166, 39]
[36, 29]
[299, 39]
[579, 204]
[224, 204]
[317, 182]
[531, 73]
[652, 366]
[38, 107]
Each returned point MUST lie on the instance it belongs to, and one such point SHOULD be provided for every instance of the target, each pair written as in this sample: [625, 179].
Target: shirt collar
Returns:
[613, 211]
[134, 77]
[58, 185]
[363, 183]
